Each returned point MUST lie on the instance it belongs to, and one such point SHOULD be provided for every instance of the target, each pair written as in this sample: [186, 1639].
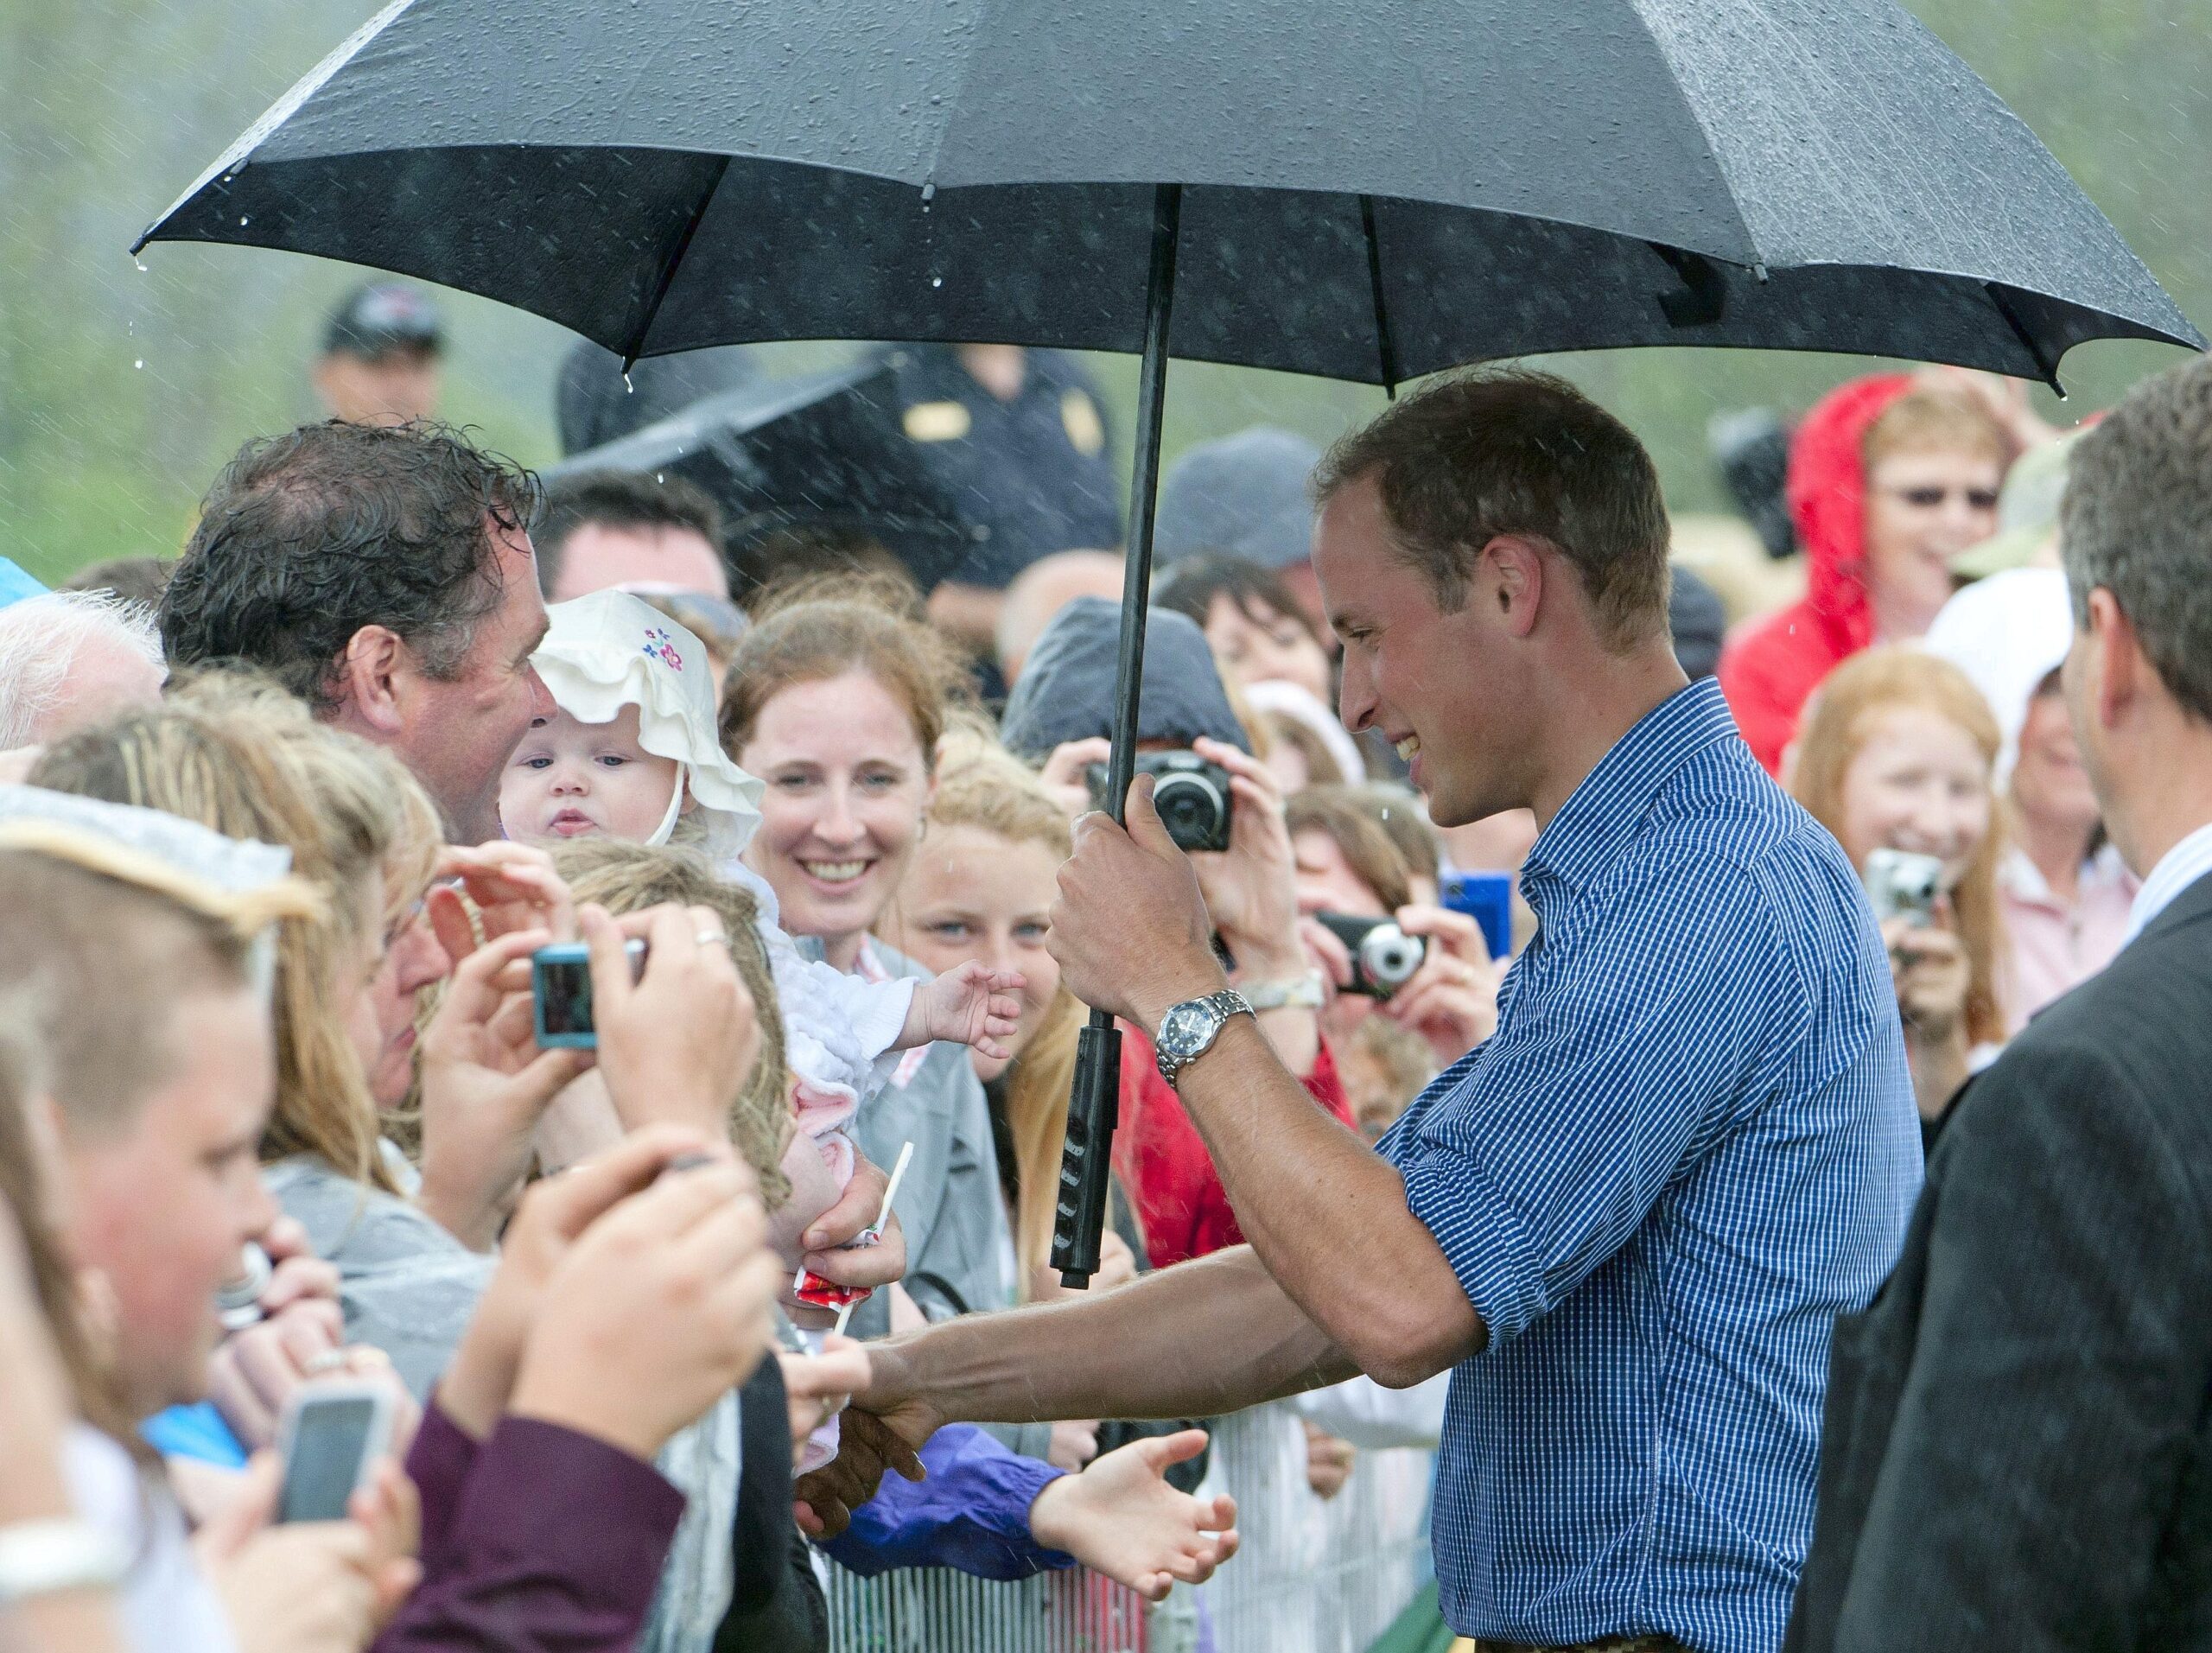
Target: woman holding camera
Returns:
[1897, 755]
[1058, 715]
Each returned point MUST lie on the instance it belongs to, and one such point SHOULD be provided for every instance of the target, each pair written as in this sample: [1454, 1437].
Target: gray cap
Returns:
[1244, 495]
[1066, 691]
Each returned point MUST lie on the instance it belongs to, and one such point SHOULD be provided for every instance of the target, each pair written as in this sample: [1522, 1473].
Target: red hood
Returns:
[1827, 491]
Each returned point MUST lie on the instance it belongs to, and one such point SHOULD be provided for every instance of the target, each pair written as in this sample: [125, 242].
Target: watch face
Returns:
[1183, 1029]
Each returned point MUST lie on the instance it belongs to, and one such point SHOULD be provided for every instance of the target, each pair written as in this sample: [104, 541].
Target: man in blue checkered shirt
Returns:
[1628, 1220]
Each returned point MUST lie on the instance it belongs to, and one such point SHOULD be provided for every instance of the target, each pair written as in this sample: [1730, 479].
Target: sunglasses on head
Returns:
[1927, 498]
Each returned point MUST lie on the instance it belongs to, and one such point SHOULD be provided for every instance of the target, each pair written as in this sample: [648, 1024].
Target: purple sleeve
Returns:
[972, 1513]
[438, 1463]
[556, 1541]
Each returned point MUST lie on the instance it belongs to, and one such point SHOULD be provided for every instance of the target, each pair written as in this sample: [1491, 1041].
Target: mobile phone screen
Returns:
[565, 989]
[326, 1462]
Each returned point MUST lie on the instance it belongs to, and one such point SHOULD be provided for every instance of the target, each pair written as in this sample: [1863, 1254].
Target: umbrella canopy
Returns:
[1372, 190]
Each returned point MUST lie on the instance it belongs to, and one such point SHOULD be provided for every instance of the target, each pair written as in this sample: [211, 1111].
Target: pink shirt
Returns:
[2054, 947]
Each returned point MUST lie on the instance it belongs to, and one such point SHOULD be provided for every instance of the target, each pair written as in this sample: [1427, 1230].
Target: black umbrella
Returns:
[1367, 190]
[821, 451]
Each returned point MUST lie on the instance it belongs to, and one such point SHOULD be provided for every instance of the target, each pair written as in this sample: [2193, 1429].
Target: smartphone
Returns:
[560, 991]
[1487, 898]
[333, 1433]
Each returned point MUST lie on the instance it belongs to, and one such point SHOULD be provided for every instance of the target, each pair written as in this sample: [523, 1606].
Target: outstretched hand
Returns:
[1120, 1517]
[974, 1005]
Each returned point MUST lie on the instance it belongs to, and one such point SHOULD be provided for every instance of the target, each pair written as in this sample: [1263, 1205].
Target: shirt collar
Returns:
[1599, 816]
[2179, 868]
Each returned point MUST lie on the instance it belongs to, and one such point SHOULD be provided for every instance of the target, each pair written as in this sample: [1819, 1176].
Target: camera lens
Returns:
[1190, 808]
[1389, 956]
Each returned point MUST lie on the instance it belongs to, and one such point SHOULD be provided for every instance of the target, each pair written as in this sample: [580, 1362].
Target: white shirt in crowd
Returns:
[168, 1604]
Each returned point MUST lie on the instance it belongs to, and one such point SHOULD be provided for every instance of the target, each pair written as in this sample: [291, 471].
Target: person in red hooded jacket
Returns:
[1890, 477]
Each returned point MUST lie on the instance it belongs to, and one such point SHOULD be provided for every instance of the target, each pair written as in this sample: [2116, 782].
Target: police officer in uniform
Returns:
[1018, 437]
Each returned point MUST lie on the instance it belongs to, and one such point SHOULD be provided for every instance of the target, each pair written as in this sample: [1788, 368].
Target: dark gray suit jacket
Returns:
[2017, 1453]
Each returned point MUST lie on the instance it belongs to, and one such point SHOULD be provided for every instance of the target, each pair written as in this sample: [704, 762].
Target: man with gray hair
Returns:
[69, 658]
[2016, 1448]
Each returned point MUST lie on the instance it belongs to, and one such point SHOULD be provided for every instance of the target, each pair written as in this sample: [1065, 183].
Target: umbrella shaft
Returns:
[1086, 1164]
[1144, 483]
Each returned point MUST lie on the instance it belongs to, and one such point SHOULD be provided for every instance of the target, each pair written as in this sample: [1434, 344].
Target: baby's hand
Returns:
[974, 1005]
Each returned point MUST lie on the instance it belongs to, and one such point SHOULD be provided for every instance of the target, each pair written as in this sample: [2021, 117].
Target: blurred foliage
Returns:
[121, 389]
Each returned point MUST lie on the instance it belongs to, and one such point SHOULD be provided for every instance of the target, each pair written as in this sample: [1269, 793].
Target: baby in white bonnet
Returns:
[632, 753]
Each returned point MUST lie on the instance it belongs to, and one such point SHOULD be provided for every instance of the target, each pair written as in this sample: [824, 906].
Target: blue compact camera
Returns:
[560, 991]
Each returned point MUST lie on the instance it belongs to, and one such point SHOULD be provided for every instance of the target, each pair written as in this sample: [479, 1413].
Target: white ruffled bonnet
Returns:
[609, 650]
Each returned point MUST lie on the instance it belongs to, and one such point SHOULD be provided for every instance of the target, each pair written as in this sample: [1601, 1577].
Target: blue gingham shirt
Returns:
[1690, 1144]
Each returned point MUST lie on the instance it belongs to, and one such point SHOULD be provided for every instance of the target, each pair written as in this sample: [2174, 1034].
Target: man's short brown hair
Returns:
[1506, 451]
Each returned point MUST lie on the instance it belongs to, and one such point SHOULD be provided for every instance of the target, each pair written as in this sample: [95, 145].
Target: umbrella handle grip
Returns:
[1086, 1163]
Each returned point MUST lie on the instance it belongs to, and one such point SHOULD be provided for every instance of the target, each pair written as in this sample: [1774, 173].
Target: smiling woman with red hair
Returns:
[1889, 480]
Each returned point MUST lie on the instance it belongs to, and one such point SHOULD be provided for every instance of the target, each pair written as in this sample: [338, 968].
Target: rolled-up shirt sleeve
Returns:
[1535, 1157]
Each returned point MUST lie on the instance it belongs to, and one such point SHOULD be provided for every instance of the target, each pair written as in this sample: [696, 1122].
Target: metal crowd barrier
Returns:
[1311, 1577]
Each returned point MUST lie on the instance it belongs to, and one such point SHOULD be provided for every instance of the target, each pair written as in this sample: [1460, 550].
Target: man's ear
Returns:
[372, 680]
[1509, 577]
[2117, 660]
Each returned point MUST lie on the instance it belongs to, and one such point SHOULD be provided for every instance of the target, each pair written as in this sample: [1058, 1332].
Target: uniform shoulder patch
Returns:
[1086, 431]
[936, 421]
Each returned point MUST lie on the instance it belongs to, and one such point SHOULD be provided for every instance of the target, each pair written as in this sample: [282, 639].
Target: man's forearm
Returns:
[1201, 1337]
[1327, 1216]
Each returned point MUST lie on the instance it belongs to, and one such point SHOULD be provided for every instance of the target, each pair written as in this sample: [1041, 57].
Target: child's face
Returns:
[570, 779]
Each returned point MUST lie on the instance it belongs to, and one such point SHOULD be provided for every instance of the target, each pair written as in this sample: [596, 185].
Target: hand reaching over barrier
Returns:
[1122, 1518]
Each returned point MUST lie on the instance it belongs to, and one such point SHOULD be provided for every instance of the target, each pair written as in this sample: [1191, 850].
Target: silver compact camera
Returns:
[1901, 884]
[1384, 956]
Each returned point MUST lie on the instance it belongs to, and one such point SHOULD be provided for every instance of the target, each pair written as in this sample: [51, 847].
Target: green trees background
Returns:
[122, 389]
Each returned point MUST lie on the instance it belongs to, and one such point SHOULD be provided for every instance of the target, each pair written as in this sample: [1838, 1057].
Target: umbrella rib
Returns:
[675, 263]
[2044, 365]
[1386, 349]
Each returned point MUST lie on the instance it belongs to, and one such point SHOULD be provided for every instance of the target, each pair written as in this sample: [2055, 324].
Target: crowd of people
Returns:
[1441, 757]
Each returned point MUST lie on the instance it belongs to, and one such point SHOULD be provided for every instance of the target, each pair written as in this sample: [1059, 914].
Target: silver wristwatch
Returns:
[1188, 1031]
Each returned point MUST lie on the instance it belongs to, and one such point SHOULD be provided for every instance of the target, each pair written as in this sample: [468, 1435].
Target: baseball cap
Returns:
[1244, 496]
[381, 316]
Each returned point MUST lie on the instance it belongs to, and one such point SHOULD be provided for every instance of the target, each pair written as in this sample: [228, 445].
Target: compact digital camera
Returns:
[560, 986]
[1902, 885]
[1192, 795]
[1384, 956]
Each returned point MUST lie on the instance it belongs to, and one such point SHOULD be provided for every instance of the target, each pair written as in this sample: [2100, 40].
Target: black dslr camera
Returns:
[1384, 956]
[1192, 795]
